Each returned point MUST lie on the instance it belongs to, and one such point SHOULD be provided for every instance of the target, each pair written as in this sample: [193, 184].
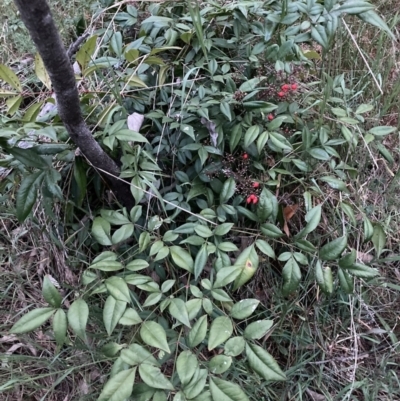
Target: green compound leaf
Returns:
[154, 335]
[153, 377]
[221, 329]
[9, 76]
[111, 349]
[101, 231]
[228, 190]
[378, 239]
[263, 363]
[200, 261]
[50, 293]
[346, 281]
[118, 288]
[291, 276]
[107, 265]
[312, 218]
[222, 390]
[78, 314]
[32, 320]
[198, 332]
[119, 387]
[136, 265]
[247, 261]
[348, 260]
[137, 355]
[182, 258]
[266, 205]
[160, 396]
[323, 276]
[223, 229]
[60, 327]
[355, 7]
[368, 229]
[85, 53]
[251, 135]
[196, 385]
[234, 346]
[332, 250]
[265, 248]
[177, 309]
[244, 308]
[361, 270]
[141, 391]
[251, 84]
[271, 231]
[335, 183]
[112, 312]
[226, 275]
[258, 329]
[123, 233]
[219, 364]
[27, 193]
[186, 366]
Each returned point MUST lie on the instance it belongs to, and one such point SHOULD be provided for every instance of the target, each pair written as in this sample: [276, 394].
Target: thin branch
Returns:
[74, 47]
[37, 17]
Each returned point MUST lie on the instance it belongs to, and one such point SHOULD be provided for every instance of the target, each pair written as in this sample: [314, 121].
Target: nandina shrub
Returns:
[212, 113]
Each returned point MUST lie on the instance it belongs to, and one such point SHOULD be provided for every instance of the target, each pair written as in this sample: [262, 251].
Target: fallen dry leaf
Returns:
[364, 257]
[315, 396]
[288, 213]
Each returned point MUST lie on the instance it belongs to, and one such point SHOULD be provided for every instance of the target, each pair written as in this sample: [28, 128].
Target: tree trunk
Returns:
[37, 17]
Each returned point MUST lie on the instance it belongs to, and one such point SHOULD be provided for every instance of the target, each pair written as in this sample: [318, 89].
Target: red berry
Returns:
[245, 156]
[256, 184]
[255, 199]
[281, 94]
[249, 199]
[270, 117]
[285, 87]
[294, 86]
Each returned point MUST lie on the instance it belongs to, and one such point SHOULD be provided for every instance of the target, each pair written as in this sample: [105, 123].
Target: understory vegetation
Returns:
[260, 261]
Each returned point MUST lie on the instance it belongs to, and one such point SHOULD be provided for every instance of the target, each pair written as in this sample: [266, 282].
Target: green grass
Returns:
[333, 349]
[16, 43]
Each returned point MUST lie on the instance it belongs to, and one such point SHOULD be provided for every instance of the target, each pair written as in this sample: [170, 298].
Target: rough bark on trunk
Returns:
[37, 17]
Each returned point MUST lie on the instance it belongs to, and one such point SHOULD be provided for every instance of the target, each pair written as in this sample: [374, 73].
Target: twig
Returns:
[74, 47]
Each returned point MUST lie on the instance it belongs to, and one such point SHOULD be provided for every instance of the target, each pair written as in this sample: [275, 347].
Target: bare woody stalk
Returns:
[37, 17]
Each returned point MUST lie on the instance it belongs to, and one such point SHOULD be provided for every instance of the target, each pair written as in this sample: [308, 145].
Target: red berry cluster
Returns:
[286, 88]
[252, 199]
